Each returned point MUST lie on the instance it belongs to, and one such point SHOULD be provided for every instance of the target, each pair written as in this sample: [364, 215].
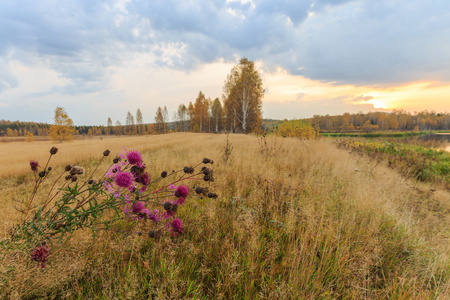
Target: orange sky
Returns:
[414, 96]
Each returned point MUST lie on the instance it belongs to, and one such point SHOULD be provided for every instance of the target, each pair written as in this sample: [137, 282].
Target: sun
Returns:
[377, 103]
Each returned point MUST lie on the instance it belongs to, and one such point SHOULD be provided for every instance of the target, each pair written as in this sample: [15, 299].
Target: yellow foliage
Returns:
[297, 128]
[29, 137]
[62, 129]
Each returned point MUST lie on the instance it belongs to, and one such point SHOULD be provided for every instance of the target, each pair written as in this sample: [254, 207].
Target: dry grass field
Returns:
[294, 220]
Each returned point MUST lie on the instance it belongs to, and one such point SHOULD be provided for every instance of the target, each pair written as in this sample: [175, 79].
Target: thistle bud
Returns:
[212, 195]
[41, 174]
[68, 177]
[208, 161]
[106, 152]
[167, 206]
[91, 181]
[116, 160]
[164, 174]
[49, 169]
[53, 150]
[68, 168]
[188, 170]
[200, 190]
[171, 208]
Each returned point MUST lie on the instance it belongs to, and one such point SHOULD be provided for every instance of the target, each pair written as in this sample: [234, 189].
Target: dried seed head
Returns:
[156, 234]
[106, 152]
[208, 178]
[168, 206]
[207, 171]
[171, 208]
[212, 195]
[68, 177]
[80, 170]
[208, 161]
[53, 150]
[76, 170]
[163, 174]
[188, 170]
[74, 178]
[200, 190]
[41, 174]
[68, 168]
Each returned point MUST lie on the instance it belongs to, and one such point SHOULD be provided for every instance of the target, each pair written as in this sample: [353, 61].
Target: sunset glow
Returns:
[119, 56]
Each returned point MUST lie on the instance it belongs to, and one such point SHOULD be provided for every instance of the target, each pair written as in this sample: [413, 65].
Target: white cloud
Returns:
[78, 50]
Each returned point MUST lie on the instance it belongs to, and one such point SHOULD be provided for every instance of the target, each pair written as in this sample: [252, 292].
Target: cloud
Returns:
[7, 80]
[331, 106]
[377, 42]
[356, 42]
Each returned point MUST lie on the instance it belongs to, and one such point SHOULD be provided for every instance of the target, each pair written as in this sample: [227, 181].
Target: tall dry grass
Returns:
[294, 220]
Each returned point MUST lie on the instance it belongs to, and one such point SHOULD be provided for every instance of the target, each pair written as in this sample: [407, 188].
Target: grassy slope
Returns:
[294, 219]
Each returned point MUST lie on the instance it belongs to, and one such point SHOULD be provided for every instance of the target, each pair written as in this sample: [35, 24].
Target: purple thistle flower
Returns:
[134, 157]
[40, 255]
[145, 179]
[182, 191]
[176, 227]
[34, 165]
[137, 207]
[154, 216]
[123, 179]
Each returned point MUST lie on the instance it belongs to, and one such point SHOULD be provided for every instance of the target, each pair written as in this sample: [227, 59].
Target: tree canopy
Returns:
[243, 93]
[62, 128]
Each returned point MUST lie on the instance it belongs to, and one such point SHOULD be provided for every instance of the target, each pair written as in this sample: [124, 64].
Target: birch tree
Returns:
[243, 94]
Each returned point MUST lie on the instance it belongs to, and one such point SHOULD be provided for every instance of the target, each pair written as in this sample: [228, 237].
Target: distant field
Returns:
[15, 156]
[294, 220]
[375, 134]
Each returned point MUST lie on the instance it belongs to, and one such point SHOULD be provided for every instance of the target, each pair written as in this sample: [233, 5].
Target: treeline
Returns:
[381, 121]
[239, 111]
[18, 128]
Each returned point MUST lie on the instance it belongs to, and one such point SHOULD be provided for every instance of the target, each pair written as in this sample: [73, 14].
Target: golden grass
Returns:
[295, 219]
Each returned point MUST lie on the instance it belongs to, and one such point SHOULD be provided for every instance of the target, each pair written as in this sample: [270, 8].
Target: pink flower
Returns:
[182, 191]
[34, 165]
[134, 157]
[123, 179]
[176, 227]
[40, 255]
[137, 207]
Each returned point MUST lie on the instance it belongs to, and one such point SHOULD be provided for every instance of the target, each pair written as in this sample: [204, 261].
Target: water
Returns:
[438, 141]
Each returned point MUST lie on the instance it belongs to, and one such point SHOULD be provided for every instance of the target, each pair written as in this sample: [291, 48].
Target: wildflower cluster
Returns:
[126, 189]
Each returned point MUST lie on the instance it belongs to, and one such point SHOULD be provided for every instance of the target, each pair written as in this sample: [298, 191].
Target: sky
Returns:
[100, 59]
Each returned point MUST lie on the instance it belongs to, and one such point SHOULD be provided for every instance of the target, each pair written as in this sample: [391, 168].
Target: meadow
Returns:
[294, 219]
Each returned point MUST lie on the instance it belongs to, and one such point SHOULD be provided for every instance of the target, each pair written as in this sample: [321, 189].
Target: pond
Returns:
[435, 140]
